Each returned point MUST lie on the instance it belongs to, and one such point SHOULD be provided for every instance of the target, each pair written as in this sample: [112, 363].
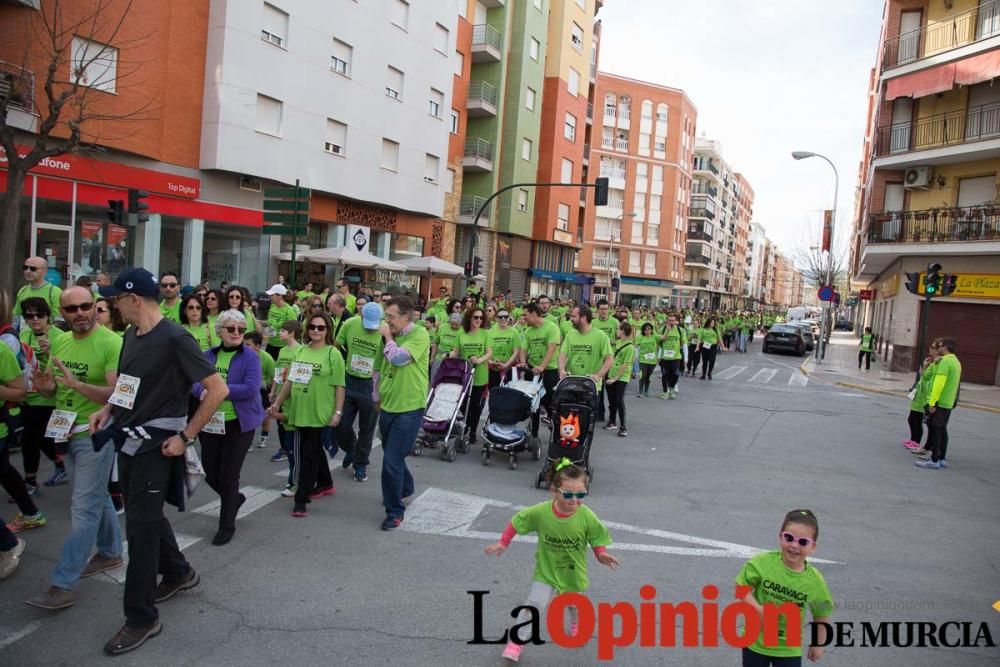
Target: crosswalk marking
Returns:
[764, 375]
[798, 380]
[730, 373]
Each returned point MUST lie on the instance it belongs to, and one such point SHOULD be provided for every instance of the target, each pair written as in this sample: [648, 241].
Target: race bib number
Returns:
[125, 391]
[362, 365]
[300, 373]
[216, 425]
[669, 354]
[60, 424]
[649, 356]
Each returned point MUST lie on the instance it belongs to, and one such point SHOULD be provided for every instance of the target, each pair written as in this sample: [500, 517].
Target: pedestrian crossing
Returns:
[790, 377]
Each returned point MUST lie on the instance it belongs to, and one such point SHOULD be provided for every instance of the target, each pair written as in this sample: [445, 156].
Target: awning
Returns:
[977, 69]
[920, 84]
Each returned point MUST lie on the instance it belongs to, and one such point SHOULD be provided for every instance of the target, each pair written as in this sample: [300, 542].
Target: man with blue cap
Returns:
[361, 342]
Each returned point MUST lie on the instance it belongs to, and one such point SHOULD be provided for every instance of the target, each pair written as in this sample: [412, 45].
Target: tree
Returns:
[74, 113]
[813, 263]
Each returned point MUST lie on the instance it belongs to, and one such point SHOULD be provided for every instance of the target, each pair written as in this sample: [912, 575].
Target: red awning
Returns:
[977, 69]
[920, 84]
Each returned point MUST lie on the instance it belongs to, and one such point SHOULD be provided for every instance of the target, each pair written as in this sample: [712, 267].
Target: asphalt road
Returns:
[699, 484]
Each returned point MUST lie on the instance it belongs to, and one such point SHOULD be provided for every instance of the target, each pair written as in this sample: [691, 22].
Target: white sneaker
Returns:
[289, 491]
[262, 441]
[9, 560]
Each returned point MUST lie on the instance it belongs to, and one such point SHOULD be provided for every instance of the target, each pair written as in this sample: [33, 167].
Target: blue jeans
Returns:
[329, 441]
[399, 431]
[93, 517]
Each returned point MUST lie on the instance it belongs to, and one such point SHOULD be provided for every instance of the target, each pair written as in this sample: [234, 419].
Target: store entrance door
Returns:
[53, 243]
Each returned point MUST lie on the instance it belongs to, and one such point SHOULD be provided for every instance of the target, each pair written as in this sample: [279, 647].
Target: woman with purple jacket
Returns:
[227, 437]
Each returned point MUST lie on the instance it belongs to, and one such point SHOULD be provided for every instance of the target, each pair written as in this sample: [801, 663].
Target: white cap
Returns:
[277, 288]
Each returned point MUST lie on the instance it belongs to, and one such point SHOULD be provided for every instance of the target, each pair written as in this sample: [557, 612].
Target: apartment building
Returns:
[633, 248]
[928, 180]
[756, 249]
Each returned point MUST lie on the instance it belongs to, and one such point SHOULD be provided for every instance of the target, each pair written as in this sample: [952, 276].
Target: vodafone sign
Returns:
[113, 174]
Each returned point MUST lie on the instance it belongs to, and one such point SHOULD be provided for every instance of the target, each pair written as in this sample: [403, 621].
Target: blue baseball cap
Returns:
[371, 316]
[136, 281]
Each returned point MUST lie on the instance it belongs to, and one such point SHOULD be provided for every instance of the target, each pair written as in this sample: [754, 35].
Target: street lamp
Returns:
[801, 155]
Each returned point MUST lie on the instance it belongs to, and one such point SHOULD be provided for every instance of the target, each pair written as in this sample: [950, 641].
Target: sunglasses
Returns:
[503, 317]
[317, 327]
[34, 316]
[317, 305]
[29, 267]
[477, 317]
[235, 296]
[211, 298]
[802, 541]
[85, 307]
[168, 285]
[234, 330]
[580, 495]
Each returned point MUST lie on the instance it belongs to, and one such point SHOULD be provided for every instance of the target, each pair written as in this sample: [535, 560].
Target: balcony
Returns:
[590, 113]
[583, 195]
[610, 116]
[696, 259]
[624, 118]
[468, 205]
[951, 33]
[17, 87]
[697, 233]
[938, 134]
[621, 145]
[700, 212]
[482, 100]
[615, 176]
[487, 44]
[703, 188]
[478, 155]
[705, 165]
[586, 154]
[491, 4]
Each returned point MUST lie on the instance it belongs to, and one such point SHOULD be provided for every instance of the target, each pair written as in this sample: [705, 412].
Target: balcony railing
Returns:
[950, 33]
[593, 71]
[590, 111]
[586, 152]
[486, 35]
[699, 212]
[705, 165]
[17, 87]
[946, 129]
[695, 258]
[484, 92]
[970, 223]
[695, 234]
[621, 145]
[703, 188]
[468, 205]
[610, 172]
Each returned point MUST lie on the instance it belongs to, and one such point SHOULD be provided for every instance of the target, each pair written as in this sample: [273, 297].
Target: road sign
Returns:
[867, 294]
[298, 230]
[825, 293]
[286, 204]
[286, 218]
[286, 193]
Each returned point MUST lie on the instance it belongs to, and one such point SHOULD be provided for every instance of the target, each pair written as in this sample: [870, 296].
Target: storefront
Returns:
[556, 284]
[644, 292]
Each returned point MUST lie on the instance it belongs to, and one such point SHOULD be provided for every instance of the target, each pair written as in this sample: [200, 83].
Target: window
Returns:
[654, 202]
[646, 112]
[566, 172]
[651, 263]
[436, 102]
[268, 119]
[639, 201]
[562, 217]
[336, 137]
[95, 65]
[661, 112]
[636, 231]
[634, 256]
[653, 234]
[643, 143]
[394, 85]
[660, 146]
[657, 173]
[432, 164]
[574, 82]
[608, 229]
[529, 99]
[569, 128]
[390, 155]
[449, 183]
[340, 61]
[459, 64]
[576, 37]
[533, 48]
[274, 26]
[522, 200]
[441, 38]
[400, 13]
[526, 149]
[455, 119]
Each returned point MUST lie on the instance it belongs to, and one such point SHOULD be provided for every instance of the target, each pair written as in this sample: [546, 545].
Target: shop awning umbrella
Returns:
[432, 265]
[346, 256]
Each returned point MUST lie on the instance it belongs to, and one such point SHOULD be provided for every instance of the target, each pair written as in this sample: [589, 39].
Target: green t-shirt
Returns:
[276, 316]
[313, 403]
[28, 336]
[474, 345]
[89, 359]
[47, 291]
[504, 343]
[404, 388]
[923, 388]
[10, 370]
[943, 391]
[648, 348]
[363, 347]
[202, 334]
[774, 583]
[608, 326]
[621, 368]
[266, 368]
[351, 302]
[446, 339]
[222, 362]
[866, 342]
[282, 363]
[708, 337]
[585, 353]
[303, 295]
[670, 347]
[537, 341]
[564, 326]
[173, 312]
[563, 542]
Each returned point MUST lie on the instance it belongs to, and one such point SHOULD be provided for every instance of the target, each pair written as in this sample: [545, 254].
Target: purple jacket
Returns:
[244, 385]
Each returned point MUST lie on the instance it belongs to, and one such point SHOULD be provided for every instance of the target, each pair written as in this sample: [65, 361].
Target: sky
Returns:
[768, 77]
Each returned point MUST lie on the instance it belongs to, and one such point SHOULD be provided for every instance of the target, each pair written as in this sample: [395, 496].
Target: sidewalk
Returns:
[841, 368]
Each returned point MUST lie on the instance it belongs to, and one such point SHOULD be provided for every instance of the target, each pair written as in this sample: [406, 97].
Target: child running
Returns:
[785, 576]
[565, 528]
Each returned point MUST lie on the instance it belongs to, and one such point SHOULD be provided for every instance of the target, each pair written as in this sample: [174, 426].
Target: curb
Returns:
[802, 366]
[900, 394]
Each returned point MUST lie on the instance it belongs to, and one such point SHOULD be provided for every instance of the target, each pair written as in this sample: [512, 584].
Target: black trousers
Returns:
[550, 378]
[358, 404]
[311, 468]
[670, 372]
[693, 358]
[937, 433]
[8, 540]
[475, 410]
[152, 547]
[600, 403]
[916, 422]
[222, 456]
[752, 659]
[616, 398]
[33, 440]
[867, 356]
[645, 375]
[708, 355]
[12, 483]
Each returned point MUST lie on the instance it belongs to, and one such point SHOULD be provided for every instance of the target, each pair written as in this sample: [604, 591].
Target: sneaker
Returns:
[300, 511]
[925, 456]
[639, 395]
[10, 559]
[32, 489]
[943, 463]
[348, 460]
[702, 377]
[672, 394]
[58, 478]
[623, 433]
[289, 491]
[392, 522]
[709, 376]
[360, 475]
[99, 563]
[610, 426]
[262, 441]
[168, 589]
[22, 523]
[323, 491]
[512, 652]
[929, 464]
[921, 451]
[909, 444]
[665, 395]
[129, 639]
[52, 599]
[279, 456]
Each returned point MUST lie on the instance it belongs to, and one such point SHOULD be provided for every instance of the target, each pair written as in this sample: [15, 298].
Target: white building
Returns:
[755, 253]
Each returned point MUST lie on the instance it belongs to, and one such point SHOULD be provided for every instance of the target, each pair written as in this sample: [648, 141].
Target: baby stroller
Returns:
[574, 406]
[506, 430]
[446, 408]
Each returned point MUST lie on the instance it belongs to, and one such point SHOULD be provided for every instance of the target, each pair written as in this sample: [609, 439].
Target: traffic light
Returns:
[468, 270]
[476, 266]
[601, 191]
[137, 205]
[116, 212]
[913, 282]
[949, 284]
[932, 283]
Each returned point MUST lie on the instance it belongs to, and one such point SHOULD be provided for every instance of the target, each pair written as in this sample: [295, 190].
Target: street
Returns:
[699, 484]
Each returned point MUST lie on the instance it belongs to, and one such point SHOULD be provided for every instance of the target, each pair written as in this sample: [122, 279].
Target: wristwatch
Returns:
[185, 439]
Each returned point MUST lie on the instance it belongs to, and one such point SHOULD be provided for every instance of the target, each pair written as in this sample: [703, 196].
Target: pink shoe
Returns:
[512, 652]
[909, 444]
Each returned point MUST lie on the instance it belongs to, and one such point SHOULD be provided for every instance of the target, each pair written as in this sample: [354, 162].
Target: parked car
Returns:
[785, 337]
[808, 336]
[844, 325]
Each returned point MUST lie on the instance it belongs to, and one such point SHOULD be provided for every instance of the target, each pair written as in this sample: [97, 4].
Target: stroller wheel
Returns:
[512, 462]
[463, 445]
[540, 479]
[487, 459]
[418, 447]
[449, 454]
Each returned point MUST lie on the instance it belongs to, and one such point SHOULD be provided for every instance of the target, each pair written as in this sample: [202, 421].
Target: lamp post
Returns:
[801, 155]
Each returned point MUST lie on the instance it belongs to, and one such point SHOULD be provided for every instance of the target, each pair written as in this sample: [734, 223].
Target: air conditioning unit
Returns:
[917, 177]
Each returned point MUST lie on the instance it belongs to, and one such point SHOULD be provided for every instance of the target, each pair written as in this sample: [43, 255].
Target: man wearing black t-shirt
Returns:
[159, 362]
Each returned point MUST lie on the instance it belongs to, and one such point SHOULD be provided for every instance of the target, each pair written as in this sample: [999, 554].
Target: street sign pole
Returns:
[286, 211]
[295, 234]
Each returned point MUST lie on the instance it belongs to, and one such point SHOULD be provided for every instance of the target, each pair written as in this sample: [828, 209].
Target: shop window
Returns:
[99, 245]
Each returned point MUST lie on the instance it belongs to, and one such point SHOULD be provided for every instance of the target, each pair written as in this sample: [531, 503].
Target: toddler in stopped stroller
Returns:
[506, 431]
[447, 405]
[574, 407]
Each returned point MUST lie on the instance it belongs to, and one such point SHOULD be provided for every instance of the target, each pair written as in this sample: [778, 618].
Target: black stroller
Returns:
[506, 431]
[574, 406]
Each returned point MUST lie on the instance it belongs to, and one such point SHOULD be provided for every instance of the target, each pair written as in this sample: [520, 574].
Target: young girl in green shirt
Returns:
[647, 348]
[618, 378]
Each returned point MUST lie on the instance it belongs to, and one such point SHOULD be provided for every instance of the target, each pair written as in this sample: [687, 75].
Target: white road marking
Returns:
[440, 512]
[730, 373]
[764, 375]
[18, 635]
[798, 380]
